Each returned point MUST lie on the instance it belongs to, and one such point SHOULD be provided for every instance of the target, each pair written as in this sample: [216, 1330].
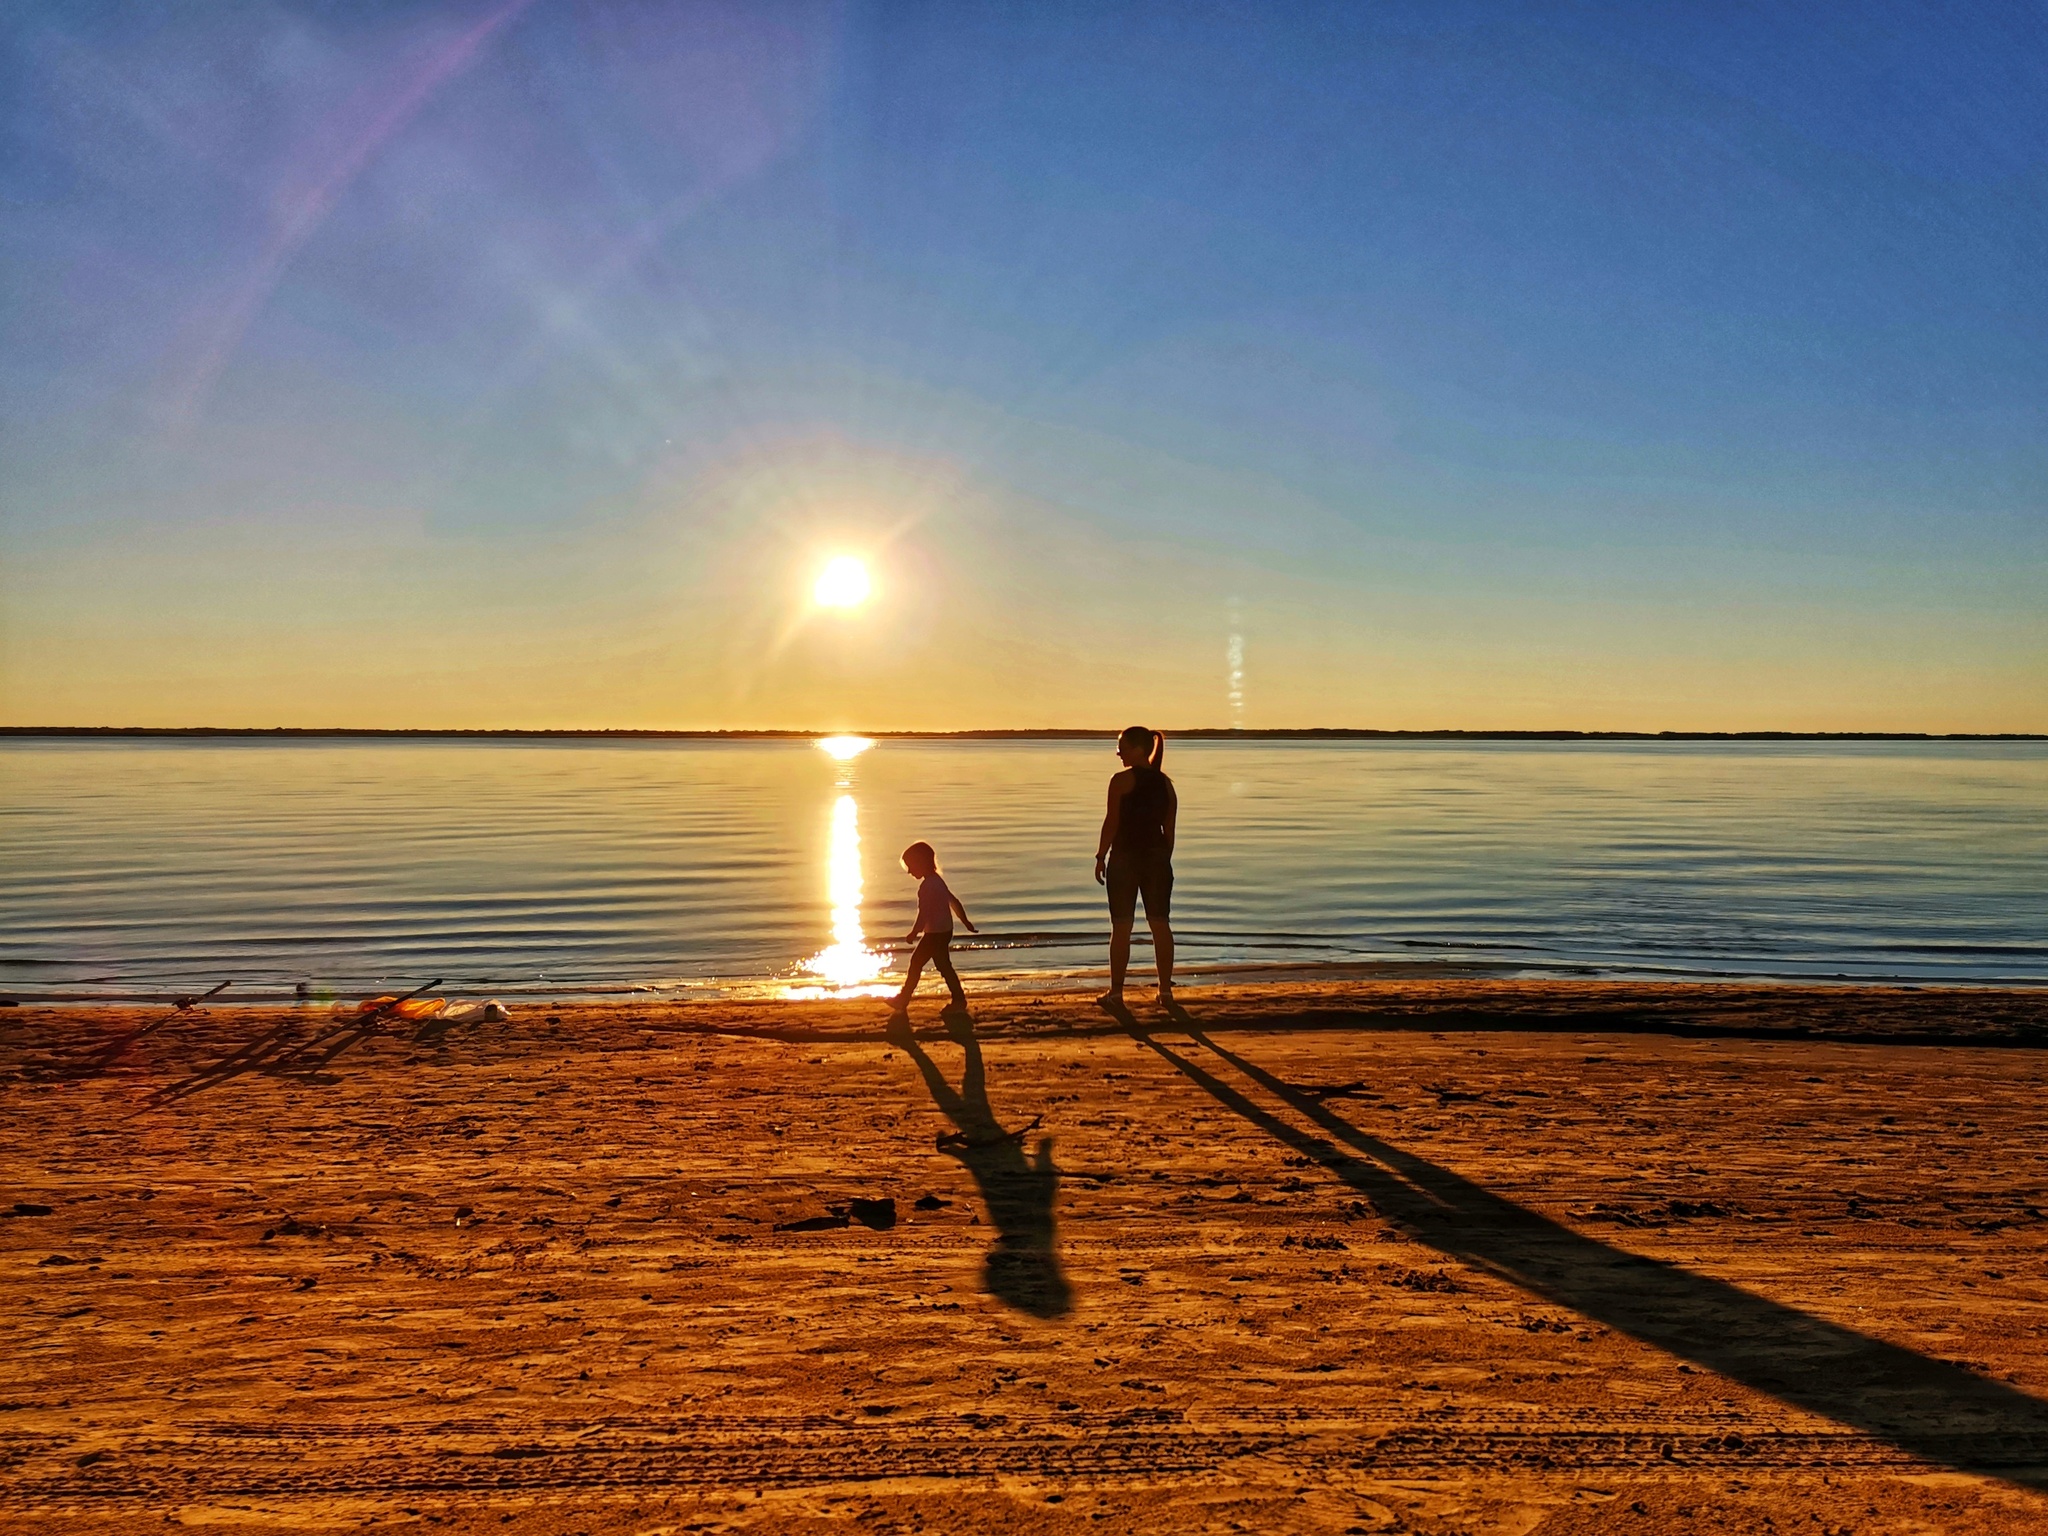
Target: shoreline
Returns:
[1086, 982]
[1840, 1012]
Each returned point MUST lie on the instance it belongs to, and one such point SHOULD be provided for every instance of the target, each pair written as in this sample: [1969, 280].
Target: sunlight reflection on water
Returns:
[847, 965]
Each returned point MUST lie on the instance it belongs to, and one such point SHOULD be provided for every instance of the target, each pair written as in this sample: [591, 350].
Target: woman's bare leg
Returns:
[1162, 952]
[1119, 956]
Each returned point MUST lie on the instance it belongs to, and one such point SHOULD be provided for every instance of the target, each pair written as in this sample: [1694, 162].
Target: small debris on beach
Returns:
[879, 1214]
[815, 1223]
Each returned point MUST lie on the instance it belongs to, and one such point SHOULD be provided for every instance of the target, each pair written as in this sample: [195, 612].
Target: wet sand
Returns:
[1437, 1257]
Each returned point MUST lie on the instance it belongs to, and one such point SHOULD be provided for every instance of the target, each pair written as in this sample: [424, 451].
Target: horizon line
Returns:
[1048, 733]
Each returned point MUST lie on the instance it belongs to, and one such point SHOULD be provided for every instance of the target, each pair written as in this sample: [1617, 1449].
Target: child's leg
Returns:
[942, 957]
[915, 968]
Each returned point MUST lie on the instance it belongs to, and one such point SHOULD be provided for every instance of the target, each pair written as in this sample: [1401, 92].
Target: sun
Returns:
[842, 584]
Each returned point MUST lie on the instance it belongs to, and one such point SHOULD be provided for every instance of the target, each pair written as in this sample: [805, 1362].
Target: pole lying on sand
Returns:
[366, 1023]
[384, 1011]
[193, 1000]
[274, 1049]
[181, 1004]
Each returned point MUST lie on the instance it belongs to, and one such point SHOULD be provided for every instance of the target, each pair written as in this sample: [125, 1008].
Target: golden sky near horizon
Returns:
[698, 611]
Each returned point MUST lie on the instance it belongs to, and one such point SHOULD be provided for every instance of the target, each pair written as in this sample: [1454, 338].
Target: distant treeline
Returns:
[1198, 733]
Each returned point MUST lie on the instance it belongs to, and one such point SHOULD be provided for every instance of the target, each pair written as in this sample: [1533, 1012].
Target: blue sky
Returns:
[1489, 365]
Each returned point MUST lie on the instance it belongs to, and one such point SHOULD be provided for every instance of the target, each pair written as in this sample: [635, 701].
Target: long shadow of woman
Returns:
[1023, 1268]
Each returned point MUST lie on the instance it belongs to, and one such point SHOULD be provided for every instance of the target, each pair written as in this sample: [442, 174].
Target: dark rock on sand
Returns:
[878, 1214]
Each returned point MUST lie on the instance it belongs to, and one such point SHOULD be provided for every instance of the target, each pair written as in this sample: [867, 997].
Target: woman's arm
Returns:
[1117, 787]
[1172, 815]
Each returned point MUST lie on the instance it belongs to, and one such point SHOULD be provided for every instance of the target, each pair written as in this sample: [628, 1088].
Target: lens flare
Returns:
[847, 965]
[842, 584]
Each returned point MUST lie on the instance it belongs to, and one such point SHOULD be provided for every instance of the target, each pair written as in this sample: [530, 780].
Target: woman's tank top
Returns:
[1141, 816]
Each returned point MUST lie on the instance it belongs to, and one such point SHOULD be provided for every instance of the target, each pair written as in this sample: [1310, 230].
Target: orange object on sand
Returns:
[410, 1008]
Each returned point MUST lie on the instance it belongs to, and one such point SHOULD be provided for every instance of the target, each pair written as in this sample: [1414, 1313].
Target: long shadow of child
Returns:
[1023, 1268]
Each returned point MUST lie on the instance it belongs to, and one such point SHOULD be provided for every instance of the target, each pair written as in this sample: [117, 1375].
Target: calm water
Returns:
[545, 867]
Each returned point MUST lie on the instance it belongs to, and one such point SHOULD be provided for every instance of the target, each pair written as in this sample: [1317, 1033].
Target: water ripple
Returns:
[349, 865]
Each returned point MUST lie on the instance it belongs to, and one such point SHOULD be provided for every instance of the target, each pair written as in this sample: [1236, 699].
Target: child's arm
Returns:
[962, 913]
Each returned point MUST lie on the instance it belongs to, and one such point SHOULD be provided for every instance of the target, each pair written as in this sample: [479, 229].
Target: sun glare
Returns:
[847, 966]
[840, 748]
[842, 584]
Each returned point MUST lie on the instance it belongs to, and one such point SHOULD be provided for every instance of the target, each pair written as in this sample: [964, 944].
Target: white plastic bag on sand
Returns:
[492, 1012]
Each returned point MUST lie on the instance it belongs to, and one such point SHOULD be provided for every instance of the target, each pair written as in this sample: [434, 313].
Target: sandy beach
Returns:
[1478, 1257]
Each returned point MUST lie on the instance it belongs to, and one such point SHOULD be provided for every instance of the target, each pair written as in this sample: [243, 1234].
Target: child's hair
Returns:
[920, 854]
[1149, 742]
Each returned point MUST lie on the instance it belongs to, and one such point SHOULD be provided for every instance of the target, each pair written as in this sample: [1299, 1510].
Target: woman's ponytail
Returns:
[1138, 738]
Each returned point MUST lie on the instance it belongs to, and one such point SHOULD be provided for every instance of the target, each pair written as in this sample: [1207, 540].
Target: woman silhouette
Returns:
[1135, 857]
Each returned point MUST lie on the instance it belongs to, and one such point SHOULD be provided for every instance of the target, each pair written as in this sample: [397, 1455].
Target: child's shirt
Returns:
[934, 905]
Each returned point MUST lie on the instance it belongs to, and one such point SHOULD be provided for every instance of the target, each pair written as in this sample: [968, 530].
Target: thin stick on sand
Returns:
[344, 1034]
[385, 1010]
[182, 1004]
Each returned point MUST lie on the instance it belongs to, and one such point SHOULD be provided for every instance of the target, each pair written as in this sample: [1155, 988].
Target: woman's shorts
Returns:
[1131, 875]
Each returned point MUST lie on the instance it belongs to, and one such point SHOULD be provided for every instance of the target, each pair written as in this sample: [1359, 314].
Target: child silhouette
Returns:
[933, 931]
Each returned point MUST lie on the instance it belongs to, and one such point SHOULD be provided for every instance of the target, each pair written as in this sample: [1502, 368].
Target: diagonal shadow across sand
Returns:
[1927, 1407]
[1023, 1267]
[277, 1052]
[254, 1055]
